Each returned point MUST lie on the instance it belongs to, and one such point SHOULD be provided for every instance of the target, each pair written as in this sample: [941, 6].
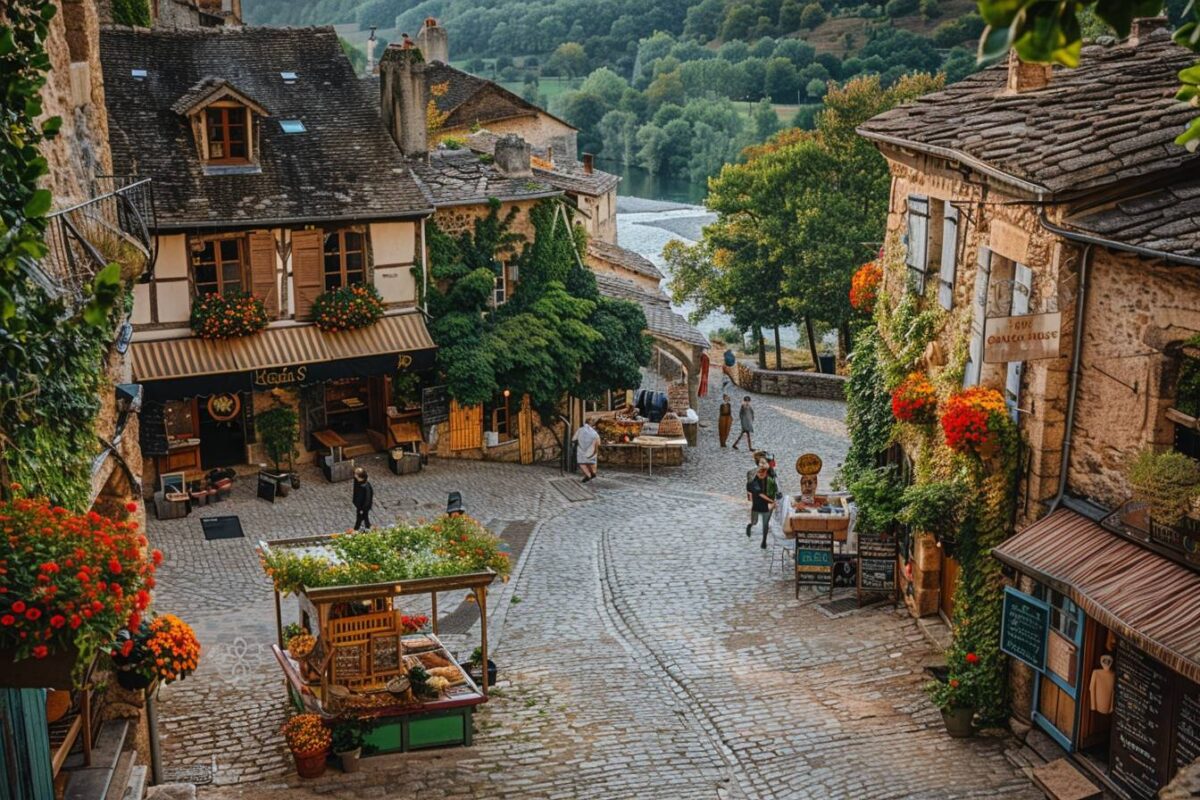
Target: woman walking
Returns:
[725, 420]
[746, 418]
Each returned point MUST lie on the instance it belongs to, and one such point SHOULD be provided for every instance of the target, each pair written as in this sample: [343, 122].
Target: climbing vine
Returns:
[51, 354]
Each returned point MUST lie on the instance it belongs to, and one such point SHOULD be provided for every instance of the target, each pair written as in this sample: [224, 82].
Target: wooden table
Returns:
[647, 444]
[837, 522]
[333, 441]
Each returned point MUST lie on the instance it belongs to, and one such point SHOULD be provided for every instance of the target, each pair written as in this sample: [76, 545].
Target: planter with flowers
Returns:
[915, 400]
[68, 583]
[864, 287]
[347, 308]
[309, 740]
[955, 696]
[228, 316]
[976, 422]
[160, 649]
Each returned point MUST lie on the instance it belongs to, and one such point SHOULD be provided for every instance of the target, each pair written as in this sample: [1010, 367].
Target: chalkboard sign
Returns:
[1187, 729]
[248, 417]
[1024, 626]
[152, 430]
[814, 559]
[266, 488]
[1138, 723]
[435, 405]
[876, 566]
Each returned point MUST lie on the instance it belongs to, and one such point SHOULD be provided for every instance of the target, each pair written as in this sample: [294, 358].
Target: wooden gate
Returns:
[466, 426]
[525, 430]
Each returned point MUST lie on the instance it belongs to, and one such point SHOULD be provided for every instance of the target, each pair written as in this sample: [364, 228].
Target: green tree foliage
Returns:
[813, 15]
[569, 59]
[766, 121]
[135, 13]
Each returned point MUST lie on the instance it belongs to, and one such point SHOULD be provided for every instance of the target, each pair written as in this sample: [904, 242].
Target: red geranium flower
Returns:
[972, 658]
[7, 619]
[40, 651]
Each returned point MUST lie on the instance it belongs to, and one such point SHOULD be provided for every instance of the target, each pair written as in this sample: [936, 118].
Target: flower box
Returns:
[52, 672]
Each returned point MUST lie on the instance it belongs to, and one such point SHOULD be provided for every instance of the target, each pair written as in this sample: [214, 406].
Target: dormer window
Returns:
[228, 134]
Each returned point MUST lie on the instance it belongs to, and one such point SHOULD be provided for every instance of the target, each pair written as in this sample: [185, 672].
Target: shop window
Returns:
[345, 258]
[1185, 412]
[498, 416]
[916, 254]
[228, 132]
[500, 286]
[218, 266]
[1064, 614]
[181, 420]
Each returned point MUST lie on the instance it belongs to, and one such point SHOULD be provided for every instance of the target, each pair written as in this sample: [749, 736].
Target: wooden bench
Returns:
[341, 469]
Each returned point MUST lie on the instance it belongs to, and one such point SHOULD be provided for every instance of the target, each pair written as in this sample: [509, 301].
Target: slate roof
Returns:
[568, 174]
[660, 319]
[1112, 119]
[1166, 221]
[491, 101]
[344, 166]
[459, 177]
[207, 87]
[621, 257]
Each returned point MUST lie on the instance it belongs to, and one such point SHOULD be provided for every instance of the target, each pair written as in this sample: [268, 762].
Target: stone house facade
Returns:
[1060, 195]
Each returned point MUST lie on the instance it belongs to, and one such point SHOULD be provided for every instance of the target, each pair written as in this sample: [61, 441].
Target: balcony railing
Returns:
[1180, 540]
[115, 225]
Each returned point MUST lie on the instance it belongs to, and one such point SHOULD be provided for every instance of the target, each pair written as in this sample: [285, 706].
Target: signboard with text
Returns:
[814, 559]
[1024, 628]
[1026, 338]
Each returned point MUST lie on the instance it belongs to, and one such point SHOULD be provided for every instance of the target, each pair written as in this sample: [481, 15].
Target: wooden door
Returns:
[466, 426]
[525, 430]
[949, 581]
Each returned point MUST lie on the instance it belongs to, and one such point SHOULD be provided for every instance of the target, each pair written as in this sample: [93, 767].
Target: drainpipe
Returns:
[1073, 391]
[424, 270]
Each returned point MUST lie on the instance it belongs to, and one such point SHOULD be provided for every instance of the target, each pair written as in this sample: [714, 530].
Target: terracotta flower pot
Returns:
[958, 721]
[310, 765]
[58, 703]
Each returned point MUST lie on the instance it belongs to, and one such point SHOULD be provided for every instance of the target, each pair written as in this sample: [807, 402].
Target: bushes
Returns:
[901, 8]
[227, 316]
[134, 13]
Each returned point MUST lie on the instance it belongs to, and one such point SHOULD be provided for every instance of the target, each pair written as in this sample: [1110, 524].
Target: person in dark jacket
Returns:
[762, 490]
[364, 498]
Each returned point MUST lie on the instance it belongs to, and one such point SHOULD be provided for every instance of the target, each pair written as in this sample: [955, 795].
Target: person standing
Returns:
[761, 489]
[587, 448]
[725, 419]
[364, 498]
[746, 418]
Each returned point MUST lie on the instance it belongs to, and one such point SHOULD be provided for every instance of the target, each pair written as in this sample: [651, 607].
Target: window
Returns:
[228, 139]
[218, 266]
[983, 271]
[1186, 408]
[345, 258]
[291, 126]
[498, 417]
[1064, 614]
[500, 285]
[1022, 286]
[949, 262]
[288, 77]
[917, 240]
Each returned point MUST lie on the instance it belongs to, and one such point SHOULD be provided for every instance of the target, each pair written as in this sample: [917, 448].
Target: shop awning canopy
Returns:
[279, 356]
[1150, 600]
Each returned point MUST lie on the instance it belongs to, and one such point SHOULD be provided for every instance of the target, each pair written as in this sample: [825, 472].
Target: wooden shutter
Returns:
[466, 426]
[308, 269]
[1022, 288]
[949, 257]
[525, 430]
[262, 271]
[983, 270]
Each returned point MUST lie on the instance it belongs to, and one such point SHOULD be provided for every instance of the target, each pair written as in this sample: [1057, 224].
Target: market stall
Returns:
[355, 654]
[628, 439]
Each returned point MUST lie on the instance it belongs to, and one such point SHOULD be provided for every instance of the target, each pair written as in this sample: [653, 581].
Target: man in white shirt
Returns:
[587, 448]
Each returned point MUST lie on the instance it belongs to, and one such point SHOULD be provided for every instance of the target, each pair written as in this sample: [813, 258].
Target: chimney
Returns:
[404, 97]
[434, 42]
[511, 156]
[1025, 77]
[588, 163]
[1143, 27]
[371, 42]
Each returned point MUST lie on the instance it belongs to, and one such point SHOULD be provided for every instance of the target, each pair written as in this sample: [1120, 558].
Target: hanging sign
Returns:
[224, 407]
[1026, 338]
[1024, 627]
[808, 464]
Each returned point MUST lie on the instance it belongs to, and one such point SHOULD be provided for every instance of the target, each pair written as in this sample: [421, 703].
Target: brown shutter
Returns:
[262, 271]
[308, 270]
[466, 426]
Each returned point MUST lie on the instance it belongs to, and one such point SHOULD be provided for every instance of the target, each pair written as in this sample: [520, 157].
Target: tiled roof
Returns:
[206, 88]
[568, 175]
[660, 319]
[344, 166]
[471, 100]
[1166, 221]
[1112, 119]
[459, 177]
[626, 259]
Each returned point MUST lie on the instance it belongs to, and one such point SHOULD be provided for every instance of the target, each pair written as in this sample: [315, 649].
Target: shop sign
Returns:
[1026, 338]
[1024, 627]
[808, 464]
[814, 559]
[225, 406]
[876, 566]
[271, 377]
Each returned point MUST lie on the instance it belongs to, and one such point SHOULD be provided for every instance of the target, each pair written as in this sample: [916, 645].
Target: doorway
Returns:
[222, 431]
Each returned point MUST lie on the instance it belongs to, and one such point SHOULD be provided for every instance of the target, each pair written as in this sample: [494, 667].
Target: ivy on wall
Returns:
[51, 354]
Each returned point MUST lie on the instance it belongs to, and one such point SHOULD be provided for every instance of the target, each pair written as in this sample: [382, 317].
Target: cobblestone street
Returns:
[644, 651]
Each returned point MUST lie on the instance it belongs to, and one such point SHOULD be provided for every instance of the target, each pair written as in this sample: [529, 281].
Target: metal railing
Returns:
[114, 225]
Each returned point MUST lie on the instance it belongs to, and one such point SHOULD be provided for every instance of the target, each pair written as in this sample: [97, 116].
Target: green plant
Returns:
[477, 656]
[347, 308]
[406, 389]
[868, 406]
[134, 13]
[290, 630]
[279, 428]
[1187, 394]
[877, 495]
[933, 507]
[418, 680]
[227, 316]
[1169, 482]
[350, 734]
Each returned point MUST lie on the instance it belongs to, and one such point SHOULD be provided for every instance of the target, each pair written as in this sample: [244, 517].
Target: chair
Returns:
[785, 546]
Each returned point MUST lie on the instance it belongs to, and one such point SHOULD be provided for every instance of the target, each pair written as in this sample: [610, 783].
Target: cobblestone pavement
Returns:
[644, 650]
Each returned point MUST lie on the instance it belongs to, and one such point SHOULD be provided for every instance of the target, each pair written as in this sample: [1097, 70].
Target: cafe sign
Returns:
[272, 377]
[1026, 338]
[1025, 628]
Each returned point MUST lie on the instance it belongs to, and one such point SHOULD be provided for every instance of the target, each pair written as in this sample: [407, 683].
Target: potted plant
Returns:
[309, 740]
[348, 739]
[1167, 482]
[279, 428]
[915, 400]
[976, 421]
[954, 695]
[164, 648]
[228, 316]
[474, 667]
[347, 308]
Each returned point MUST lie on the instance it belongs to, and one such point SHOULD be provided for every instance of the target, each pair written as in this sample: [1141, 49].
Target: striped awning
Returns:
[168, 359]
[1150, 600]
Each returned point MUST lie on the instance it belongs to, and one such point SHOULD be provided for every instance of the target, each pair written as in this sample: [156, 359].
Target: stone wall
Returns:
[791, 384]
[455, 220]
[546, 444]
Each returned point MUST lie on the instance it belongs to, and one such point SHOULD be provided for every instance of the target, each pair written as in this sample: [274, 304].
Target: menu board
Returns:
[1138, 722]
[435, 405]
[1187, 728]
[814, 559]
[385, 653]
[347, 662]
[1024, 626]
[152, 430]
[876, 565]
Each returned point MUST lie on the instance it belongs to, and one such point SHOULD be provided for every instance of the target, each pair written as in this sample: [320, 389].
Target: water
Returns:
[637, 182]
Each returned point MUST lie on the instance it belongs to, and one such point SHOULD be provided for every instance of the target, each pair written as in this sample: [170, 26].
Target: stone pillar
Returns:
[404, 97]
[926, 576]
[511, 156]
[433, 41]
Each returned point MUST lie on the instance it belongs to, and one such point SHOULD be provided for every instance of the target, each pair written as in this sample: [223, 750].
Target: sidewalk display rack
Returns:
[361, 650]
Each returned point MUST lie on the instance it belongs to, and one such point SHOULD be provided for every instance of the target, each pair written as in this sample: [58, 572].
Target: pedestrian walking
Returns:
[746, 418]
[725, 419]
[364, 498]
[587, 448]
[762, 490]
[730, 362]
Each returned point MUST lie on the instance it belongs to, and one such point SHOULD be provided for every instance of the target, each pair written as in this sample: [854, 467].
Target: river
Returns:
[653, 210]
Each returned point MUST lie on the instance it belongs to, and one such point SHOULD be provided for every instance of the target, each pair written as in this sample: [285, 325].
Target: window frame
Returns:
[219, 263]
[342, 252]
[1022, 296]
[919, 208]
[224, 110]
[948, 268]
[499, 414]
[500, 285]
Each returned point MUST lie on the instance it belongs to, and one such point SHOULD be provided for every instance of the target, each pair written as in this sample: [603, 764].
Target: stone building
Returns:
[1060, 196]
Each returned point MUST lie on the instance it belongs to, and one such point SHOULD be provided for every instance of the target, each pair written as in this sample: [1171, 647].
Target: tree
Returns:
[618, 136]
[739, 19]
[781, 80]
[959, 63]
[650, 50]
[569, 59]
[789, 15]
[584, 110]
[815, 89]
[734, 52]
[666, 88]
[797, 51]
[703, 20]
[358, 59]
[900, 8]
[766, 121]
[813, 15]
[764, 48]
[605, 84]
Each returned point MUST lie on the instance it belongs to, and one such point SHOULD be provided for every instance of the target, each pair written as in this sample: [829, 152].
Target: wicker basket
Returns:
[670, 426]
